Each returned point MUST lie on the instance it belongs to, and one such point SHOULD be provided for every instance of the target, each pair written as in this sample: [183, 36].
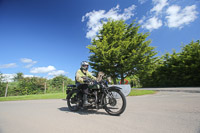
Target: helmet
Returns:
[84, 65]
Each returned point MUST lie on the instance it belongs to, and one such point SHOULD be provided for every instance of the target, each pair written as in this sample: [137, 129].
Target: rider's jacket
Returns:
[81, 73]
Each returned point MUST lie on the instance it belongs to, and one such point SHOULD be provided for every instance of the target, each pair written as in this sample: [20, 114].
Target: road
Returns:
[163, 112]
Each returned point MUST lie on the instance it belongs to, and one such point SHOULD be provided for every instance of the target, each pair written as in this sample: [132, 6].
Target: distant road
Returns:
[178, 89]
[165, 112]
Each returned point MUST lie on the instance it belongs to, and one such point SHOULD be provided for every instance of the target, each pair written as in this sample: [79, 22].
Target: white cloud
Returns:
[51, 70]
[170, 15]
[95, 18]
[26, 60]
[128, 12]
[56, 73]
[177, 18]
[142, 1]
[9, 77]
[25, 76]
[43, 69]
[11, 65]
[29, 65]
[154, 20]
[30, 62]
[142, 20]
[152, 23]
[159, 5]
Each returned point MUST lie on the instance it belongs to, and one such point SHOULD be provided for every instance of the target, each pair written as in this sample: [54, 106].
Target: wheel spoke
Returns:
[73, 101]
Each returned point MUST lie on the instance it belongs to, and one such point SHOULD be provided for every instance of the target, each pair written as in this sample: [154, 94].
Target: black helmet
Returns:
[84, 65]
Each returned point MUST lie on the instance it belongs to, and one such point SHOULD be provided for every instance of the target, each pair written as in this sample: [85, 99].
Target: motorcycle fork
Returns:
[107, 93]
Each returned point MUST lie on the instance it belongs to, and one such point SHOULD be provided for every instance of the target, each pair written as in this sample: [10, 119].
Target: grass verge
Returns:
[63, 95]
[135, 92]
[35, 97]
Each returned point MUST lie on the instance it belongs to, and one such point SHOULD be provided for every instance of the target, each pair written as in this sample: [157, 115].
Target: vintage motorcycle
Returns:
[100, 97]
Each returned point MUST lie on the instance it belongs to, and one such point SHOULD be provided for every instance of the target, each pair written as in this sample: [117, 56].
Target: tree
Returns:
[1, 77]
[120, 51]
[57, 81]
[18, 76]
[2, 85]
[189, 64]
[178, 69]
[30, 85]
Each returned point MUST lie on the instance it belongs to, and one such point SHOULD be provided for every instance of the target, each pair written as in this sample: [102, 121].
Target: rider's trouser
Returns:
[84, 87]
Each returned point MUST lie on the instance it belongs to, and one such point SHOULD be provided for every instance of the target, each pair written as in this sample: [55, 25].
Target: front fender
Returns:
[125, 89]
[114, 87]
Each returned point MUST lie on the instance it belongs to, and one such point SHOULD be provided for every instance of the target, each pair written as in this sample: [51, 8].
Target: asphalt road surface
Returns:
[164, 112]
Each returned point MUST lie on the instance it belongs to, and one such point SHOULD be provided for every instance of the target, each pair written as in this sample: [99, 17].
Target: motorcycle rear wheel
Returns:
[115, 102]
[73, 100]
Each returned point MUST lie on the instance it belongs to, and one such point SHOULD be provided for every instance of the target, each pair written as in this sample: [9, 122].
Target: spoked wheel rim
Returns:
[115, 102]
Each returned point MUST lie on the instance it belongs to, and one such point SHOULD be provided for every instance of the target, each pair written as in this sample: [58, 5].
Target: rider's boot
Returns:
[85, 102]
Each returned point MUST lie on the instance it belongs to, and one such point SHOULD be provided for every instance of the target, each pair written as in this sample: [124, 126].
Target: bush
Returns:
[33, 85]
[178, 69]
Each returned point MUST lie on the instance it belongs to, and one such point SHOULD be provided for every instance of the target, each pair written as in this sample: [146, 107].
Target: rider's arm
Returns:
[90, 76]
[79, 76]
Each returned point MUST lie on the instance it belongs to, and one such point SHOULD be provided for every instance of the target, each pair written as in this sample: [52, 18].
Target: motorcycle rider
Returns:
[80, 80]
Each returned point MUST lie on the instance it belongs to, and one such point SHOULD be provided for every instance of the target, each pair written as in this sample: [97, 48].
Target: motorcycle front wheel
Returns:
[73, 100]
[115, 102]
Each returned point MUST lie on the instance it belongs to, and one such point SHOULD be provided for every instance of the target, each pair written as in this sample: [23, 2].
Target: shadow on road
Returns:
[83, 111]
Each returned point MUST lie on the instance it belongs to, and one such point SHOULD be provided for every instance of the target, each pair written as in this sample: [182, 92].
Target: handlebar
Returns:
[90, 81]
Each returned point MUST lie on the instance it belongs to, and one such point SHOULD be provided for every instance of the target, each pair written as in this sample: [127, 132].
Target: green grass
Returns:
[35, 97]
[63, 95]
[141, 92]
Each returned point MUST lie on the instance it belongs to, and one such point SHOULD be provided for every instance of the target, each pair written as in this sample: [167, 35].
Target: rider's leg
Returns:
[85, 90]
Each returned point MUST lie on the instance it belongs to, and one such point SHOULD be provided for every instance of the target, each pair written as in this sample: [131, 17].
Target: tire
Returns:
[110, 103]
[73, 100]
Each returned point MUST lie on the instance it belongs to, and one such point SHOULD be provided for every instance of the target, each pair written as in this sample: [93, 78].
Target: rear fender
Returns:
[71, 91]
[70, 88]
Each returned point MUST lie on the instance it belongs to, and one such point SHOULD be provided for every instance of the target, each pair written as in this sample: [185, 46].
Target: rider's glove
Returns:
[85, 79]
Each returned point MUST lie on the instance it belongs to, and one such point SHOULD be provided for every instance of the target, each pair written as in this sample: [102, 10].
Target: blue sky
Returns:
[49, 37]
